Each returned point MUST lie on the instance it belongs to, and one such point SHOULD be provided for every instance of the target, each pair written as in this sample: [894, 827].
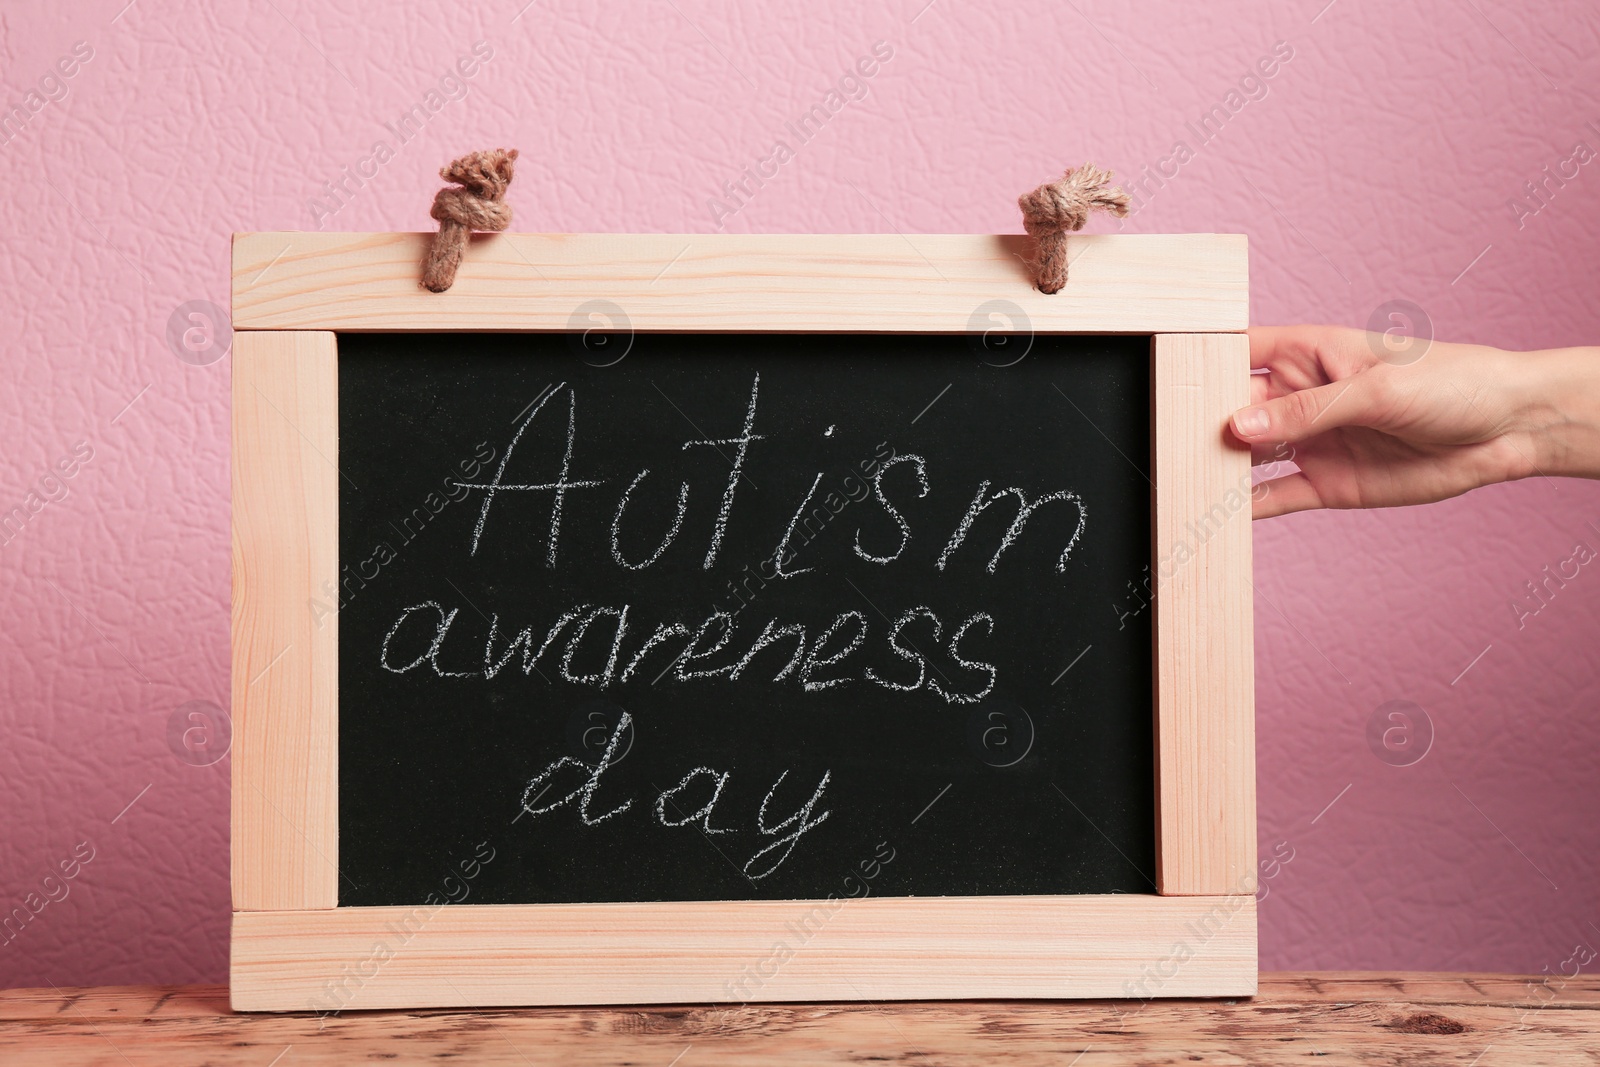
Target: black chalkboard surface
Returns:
[716, 616]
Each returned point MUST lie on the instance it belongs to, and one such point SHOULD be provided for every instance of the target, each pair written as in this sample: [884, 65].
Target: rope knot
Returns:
[479, 204]
[1057, 208]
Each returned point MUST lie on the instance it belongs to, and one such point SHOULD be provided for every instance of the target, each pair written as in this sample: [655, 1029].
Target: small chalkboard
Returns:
[688, 618]
[723, 615]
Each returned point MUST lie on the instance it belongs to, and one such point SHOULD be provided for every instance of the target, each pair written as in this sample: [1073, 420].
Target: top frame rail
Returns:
[821, 283]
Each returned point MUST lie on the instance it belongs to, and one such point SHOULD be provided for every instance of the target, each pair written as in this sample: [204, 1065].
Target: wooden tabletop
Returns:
[1328, 1019]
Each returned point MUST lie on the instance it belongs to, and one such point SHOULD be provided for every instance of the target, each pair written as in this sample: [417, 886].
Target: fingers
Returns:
[1260, 388]
[1284, 496]
[1305, 413]
[1333, 352]
[1268, 343]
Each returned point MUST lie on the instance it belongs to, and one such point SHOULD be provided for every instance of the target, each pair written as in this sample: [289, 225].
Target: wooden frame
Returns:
[293, 948]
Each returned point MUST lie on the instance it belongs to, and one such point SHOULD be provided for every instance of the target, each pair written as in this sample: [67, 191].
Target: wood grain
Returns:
[754, 950]
[285, 658]
[1205, 664]
[289, 942]
[1334, 1020]
[1133, 283]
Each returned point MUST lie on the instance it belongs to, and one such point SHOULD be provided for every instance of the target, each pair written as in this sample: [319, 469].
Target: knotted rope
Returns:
[480, 204]
[1054, 209]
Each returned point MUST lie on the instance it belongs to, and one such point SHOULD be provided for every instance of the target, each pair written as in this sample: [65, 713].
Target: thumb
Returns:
[1305, 413]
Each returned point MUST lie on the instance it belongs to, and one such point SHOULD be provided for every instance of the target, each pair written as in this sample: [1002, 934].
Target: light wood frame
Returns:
[294, 949]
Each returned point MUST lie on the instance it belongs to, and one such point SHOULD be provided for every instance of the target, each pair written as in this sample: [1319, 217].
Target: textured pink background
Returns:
[1378, 166]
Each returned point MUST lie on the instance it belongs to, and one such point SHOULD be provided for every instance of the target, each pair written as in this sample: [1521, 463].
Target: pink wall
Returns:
[1378, 165]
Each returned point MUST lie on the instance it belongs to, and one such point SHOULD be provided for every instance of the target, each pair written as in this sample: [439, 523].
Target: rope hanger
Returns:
[477, 201]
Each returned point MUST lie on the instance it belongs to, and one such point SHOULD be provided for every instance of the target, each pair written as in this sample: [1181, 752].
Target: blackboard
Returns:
[989, 733]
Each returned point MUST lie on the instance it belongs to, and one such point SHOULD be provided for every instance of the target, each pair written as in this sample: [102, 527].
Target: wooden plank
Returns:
[1205, 664]
[1331, 1019]
[744, 951]
[285, 652]
[1120, 283]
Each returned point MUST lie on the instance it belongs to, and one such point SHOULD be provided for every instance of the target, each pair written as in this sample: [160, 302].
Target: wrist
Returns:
[1560, 410]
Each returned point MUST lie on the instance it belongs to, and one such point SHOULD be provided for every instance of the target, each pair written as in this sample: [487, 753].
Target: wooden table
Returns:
[1327, 1019]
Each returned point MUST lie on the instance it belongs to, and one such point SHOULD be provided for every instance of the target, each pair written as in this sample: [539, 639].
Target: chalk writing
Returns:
[616, 645]
[900, 520]
[801, 820]
[1024, 511]
[585, 791]
[558, 487]
[672, 532]
[703, 814]
[765, 861]
[816, 665]
[741, 445]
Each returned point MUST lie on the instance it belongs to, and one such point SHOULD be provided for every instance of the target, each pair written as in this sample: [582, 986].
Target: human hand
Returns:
[1367, 433]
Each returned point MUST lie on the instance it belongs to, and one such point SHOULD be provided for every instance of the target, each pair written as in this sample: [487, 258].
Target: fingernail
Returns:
[1252, 422]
